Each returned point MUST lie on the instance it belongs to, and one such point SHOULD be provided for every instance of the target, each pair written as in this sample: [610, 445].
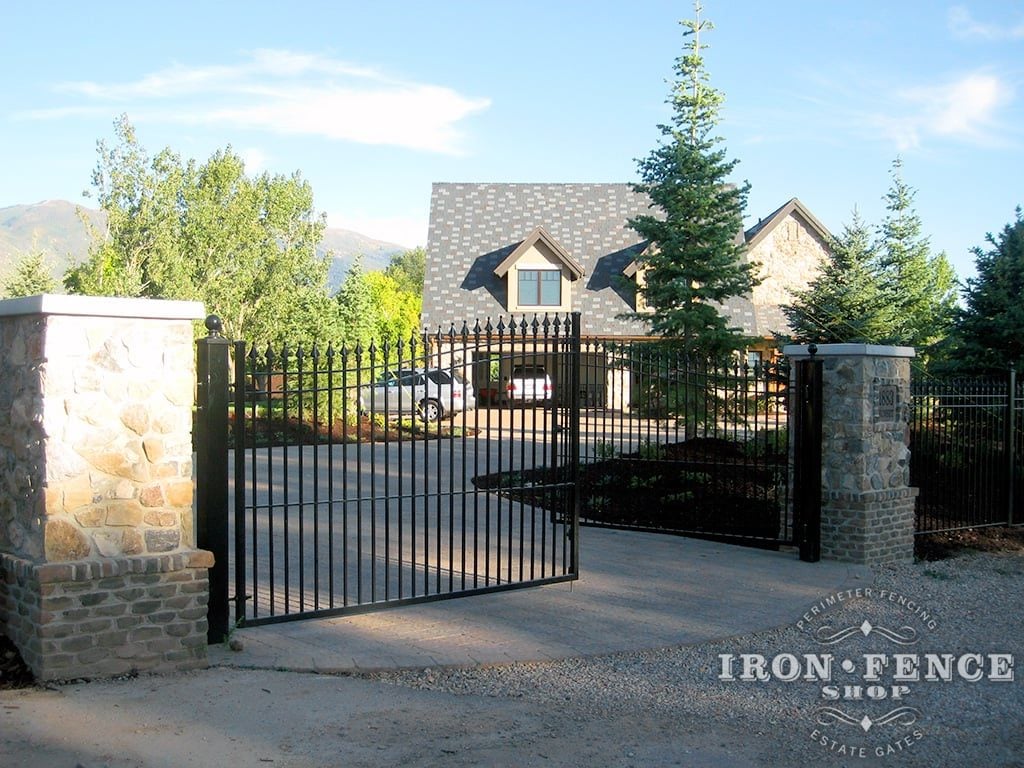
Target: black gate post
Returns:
[807, 457]
[574, 437]
[1011, 445]
[211, 443]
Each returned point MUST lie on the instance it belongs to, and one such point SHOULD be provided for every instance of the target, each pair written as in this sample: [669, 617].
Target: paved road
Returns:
[330, 527]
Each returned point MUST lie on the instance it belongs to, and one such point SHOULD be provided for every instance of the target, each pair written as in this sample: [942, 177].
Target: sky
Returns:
[373, 102]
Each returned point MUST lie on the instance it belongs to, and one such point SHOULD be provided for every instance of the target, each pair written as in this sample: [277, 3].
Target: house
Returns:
[495, 250]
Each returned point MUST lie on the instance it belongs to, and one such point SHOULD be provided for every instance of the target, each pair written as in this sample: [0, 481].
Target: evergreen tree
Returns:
[357, 313]
[990, 330]
[31, 276]
[845, 302]
[920, 287]
[694, 262]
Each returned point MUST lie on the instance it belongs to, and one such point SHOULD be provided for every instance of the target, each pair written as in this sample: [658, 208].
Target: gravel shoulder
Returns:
[658, 707]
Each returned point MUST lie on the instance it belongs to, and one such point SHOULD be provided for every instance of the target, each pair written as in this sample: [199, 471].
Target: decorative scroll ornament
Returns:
[905, 636]
[902, 716]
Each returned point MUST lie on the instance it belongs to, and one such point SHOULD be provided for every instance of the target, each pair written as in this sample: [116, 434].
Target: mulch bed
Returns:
[264, 432]
[939, 546]
[705, 487]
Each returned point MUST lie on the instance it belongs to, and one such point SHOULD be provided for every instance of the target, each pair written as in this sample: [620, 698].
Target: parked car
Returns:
[427, 393]
[528, 384]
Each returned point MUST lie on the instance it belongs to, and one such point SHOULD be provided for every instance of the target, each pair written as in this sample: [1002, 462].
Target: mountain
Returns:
[53, 226]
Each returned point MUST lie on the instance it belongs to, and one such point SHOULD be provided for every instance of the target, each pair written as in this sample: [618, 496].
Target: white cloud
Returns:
[292, 93]
[963, 25]
[966, 109]
[255, 159]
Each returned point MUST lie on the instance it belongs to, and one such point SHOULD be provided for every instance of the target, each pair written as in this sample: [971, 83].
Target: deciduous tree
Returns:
[245, 246]
[408, 269]
[397, 310]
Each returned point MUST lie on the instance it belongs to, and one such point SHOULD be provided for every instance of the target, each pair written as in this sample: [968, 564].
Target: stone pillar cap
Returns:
[102, 306]
[849, 350]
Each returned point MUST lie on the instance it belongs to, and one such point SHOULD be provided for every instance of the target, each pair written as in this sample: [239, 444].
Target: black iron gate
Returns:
[676, 444]
[373, 476]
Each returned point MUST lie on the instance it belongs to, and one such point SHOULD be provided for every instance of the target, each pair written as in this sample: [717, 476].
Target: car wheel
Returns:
[430, 410]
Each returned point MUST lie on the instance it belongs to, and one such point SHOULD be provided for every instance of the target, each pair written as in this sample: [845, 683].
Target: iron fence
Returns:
[967, 452]
[361, 474]
[676, 445]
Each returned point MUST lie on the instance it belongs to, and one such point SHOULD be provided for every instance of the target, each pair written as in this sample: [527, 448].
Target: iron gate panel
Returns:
[350, 495]
[672, 444]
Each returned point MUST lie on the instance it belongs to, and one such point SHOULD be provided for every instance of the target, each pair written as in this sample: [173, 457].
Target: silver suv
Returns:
[424, 392]
[528, 384]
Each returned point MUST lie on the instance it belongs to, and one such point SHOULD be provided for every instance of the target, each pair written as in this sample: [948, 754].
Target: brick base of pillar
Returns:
[103, 618]
[870, 528]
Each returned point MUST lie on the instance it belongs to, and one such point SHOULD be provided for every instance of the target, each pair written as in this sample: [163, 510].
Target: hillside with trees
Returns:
[54, 229]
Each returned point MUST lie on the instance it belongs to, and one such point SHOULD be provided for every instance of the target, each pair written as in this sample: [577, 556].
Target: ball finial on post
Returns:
[214, 325]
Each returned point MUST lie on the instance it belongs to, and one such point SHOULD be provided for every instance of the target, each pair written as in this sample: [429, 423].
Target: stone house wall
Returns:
[791, 256]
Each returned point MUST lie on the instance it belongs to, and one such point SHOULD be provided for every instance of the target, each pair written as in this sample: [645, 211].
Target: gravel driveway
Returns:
[972, 604]
[654, 708]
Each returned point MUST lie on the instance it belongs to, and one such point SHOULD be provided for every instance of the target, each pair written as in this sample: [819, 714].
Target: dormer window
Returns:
[539, 274]
[540, 287]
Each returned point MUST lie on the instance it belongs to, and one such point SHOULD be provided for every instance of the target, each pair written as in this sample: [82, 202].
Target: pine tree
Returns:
[990, 330]
[357, 313]
[30, 277]
[694, 262]
[845, 302]
[920, 287]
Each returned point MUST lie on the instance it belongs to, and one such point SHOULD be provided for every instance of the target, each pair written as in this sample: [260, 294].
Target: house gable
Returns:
[539, 274]
[476, 246]
[790, 246]
[476, 229]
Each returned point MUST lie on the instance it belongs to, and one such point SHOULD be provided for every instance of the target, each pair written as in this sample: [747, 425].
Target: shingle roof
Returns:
[475, 227]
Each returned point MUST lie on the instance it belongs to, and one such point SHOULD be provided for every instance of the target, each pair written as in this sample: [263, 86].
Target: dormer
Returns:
[540, 273]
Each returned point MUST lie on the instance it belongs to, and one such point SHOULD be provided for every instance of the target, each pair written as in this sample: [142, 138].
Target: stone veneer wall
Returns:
[867, 503]
[790, 257]
[99, 574]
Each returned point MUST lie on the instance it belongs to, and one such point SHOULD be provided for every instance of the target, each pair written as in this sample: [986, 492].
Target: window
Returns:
[439, 377]
[540, 287]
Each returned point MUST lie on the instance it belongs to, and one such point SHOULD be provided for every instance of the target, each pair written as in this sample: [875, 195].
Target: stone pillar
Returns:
[99, 574]
[867, 511]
